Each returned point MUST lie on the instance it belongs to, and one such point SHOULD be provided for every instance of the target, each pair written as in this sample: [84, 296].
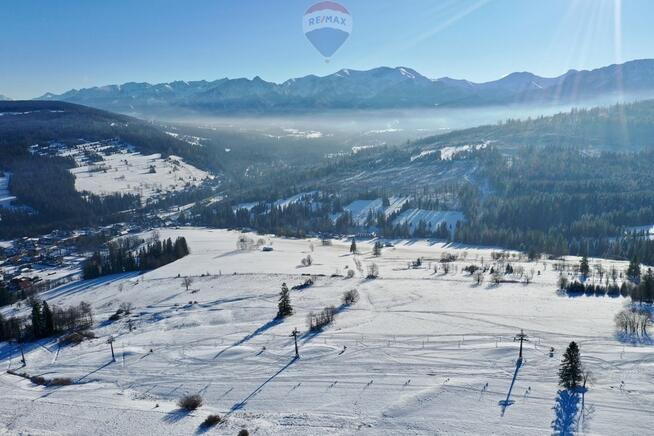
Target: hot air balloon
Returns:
[327, 25]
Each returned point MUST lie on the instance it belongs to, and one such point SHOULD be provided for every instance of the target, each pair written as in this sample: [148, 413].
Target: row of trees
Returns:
[120, 257]
[46, 321]
[639, 289]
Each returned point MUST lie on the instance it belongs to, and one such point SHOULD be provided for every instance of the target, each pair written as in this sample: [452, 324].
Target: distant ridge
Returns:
[379, 88]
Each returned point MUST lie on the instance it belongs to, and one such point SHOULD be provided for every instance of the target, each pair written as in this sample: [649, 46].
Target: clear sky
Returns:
[56, 45]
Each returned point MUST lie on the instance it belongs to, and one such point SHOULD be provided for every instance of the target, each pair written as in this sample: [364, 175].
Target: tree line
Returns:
[121, 256]
[46, 321]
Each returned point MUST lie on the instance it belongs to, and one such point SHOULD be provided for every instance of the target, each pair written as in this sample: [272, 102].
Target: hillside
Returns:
[25, 123]
[378, 88]
[59, 157]
[623, 127]
[414, 342]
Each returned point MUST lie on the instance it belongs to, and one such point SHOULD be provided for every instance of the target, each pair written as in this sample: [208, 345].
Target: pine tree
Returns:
[570, 372]
[353, 246]
[48, 320]
[36, 319]
[376, 251]
[633, 272]
[647, 286]
[284, 307]
[584, 268]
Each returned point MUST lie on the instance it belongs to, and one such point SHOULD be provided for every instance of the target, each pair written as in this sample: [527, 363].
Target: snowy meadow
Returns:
[428, 348]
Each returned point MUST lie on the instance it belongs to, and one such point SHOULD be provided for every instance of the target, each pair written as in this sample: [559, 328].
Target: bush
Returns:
[307, 284]
[373, 271]
[76, 337]
[243, 432]
[307, 261]
[190, 402]
[61, 381]
[321, 319]
[448, 257]
[350, 273]
[350, 297]
[38, 380]
[470, 269]
[211, 421]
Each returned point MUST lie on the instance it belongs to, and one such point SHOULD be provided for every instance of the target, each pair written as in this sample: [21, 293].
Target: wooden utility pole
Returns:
[22, 354]
[521, 337]
[294, 334]
[110, 341]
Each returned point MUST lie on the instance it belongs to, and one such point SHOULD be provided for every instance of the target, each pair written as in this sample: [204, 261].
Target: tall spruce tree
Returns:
[570, 372]
[584, 268]
[48, 320]
[284, 307]
[353, 246]
[37, 322]
[633, 272]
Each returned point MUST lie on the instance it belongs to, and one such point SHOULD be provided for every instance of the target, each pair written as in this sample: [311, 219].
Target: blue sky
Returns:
[48, 45]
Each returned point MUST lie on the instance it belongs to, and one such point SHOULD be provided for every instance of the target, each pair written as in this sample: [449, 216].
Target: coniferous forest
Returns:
[125, 255]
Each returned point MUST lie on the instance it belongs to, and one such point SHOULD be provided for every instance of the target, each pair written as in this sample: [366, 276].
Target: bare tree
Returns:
[478, 277]
[188, 281]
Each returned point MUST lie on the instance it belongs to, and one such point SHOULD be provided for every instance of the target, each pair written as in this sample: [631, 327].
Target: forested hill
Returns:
[624, 127]
[24, 123]
[45, 183]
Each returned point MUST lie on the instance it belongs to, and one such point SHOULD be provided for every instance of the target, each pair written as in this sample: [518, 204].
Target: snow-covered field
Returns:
[117, 168]
[420, 353]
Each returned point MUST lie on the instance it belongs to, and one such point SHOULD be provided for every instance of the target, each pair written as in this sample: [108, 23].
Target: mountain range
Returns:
[379, 88]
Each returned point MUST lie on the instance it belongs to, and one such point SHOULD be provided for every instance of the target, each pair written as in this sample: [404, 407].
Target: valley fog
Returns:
[362, 127]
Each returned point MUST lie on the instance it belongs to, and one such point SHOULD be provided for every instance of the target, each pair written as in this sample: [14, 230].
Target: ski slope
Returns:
[420, 353]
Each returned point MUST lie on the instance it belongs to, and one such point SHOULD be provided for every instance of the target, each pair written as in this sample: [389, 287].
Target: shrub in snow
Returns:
[244, 243]
[317, 321]
[350, 297]
[76, 338]
[307, 261]
[350, 273]
[243, 432]
[448, 257]
[470, 269]
[61, 381]
[190, 402]
[307, 283]
[211, 421]
[373, 271]
[38, 380]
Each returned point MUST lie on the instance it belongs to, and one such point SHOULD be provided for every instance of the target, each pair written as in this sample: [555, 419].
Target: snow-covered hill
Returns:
[107, 167]
[420, 353]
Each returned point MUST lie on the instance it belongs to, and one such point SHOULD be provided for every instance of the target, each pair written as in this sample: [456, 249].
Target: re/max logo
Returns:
[327, 19]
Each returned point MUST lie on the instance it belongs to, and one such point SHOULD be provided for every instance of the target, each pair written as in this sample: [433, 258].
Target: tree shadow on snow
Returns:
[270, 324]
[634, 338]
[241, 404]
[176, 415]
[565, 409]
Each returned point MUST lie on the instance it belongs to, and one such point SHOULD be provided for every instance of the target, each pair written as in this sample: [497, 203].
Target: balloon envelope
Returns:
[327, 25]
